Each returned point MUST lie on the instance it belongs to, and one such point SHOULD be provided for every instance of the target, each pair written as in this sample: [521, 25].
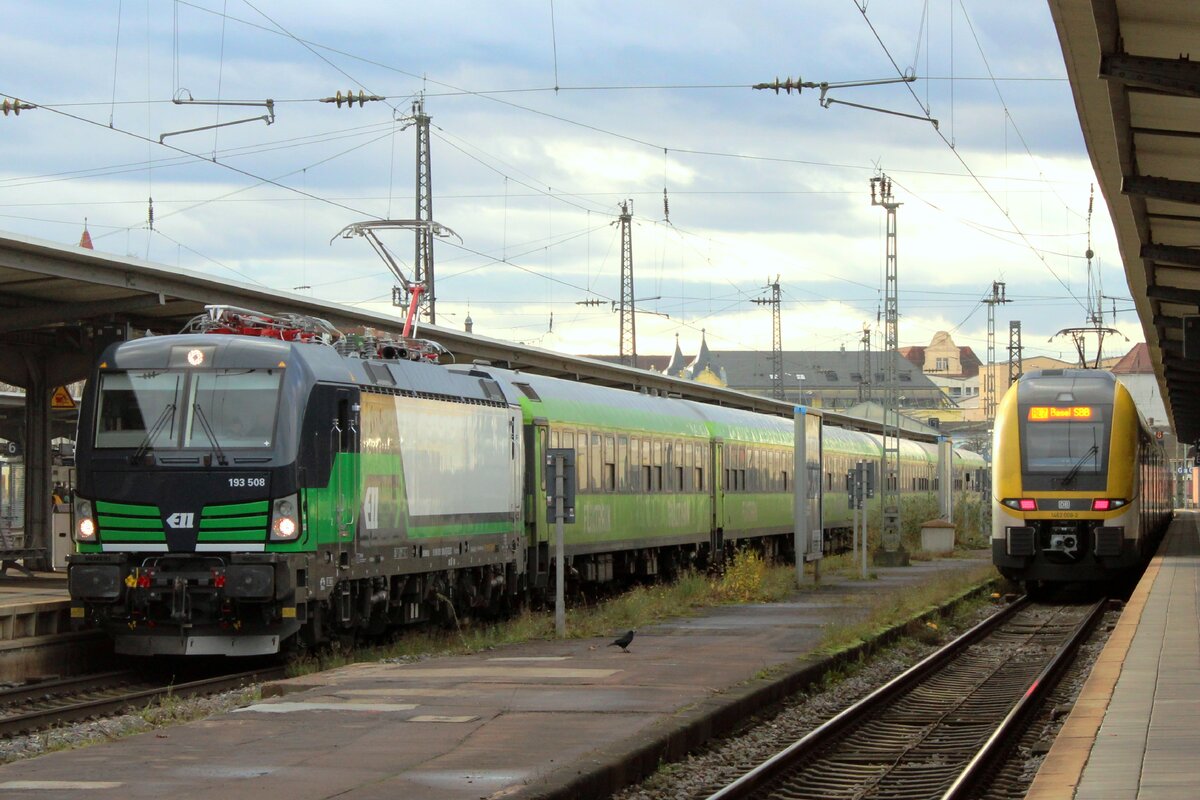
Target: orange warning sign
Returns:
[62, 399]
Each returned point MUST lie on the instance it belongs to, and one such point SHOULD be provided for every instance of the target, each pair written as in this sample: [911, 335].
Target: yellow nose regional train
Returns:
[1081, 488]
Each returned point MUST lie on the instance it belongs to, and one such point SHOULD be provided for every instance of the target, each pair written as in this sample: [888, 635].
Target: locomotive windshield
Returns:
[166, 409]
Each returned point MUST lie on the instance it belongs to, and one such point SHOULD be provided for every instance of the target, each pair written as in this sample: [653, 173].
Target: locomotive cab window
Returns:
[237, 405]
[166, 409]
[135, 407]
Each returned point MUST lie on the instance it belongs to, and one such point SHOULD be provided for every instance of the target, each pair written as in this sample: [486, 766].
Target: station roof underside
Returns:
[1138, 97]
[44, 285]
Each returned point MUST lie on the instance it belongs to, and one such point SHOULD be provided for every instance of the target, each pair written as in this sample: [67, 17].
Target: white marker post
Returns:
[560, 569]
[560, 463]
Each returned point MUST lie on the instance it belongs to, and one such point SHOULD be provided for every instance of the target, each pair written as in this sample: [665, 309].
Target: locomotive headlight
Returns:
[85, 524]
[285, 522]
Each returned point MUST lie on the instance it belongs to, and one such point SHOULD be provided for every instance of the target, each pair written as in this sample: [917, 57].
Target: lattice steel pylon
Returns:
[892, 551]
[989, 380]
[776, 338]
[628, 352]
[1016, 357]
[423, 258]
[864, 383]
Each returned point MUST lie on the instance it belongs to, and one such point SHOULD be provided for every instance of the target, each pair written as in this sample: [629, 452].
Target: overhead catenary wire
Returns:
[958, 156]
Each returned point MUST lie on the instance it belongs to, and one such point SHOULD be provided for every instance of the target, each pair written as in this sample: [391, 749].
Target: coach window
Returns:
[635, 464]
[610, 464]
[693, 456]
[597, 461]
[668, 466]
[677, 467]
[581, 462]
[645, 462]
[657, 473]
[623, 463]
[554, 438]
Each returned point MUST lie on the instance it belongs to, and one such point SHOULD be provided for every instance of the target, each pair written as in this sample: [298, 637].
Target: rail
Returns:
[932, 717]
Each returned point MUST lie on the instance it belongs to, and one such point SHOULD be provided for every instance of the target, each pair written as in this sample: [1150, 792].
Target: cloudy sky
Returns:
[545, 117]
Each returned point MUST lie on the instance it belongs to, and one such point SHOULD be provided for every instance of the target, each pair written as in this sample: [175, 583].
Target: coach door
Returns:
[716, 536]
[538, 438]
[329, 462]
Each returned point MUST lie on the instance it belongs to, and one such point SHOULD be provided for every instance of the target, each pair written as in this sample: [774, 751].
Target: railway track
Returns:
[936, 729]
[33, 707]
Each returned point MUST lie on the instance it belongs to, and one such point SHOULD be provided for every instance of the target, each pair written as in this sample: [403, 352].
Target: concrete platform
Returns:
[36, 606]
[522, 721]
[1135, 730]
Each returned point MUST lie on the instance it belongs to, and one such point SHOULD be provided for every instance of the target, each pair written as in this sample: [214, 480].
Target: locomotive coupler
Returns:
[180, 611]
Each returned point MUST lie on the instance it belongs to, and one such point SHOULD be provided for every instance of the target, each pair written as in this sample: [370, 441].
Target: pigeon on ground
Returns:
[623, 641]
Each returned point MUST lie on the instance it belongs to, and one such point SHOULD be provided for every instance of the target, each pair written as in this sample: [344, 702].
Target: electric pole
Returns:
[1095, 308]
[1016, 366]
[628, 351]
[864, 383]
[892, 551]
[423, 260]
[989, 391]
[776, 338]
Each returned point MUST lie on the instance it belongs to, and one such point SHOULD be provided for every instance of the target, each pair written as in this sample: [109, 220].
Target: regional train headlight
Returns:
[285, 519]
[1107, 504]
[85, 523]
[1020, 503]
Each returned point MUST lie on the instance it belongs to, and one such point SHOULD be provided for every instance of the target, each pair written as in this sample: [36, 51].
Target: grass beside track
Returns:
[748, 579]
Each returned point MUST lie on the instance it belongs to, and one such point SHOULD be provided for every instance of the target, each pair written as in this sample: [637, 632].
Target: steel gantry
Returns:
[628, 351]
[423, 257]
[776, 338]
[989, 379]
[892, 551]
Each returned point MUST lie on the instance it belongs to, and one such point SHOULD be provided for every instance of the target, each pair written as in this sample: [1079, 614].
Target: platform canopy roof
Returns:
[1137, 92]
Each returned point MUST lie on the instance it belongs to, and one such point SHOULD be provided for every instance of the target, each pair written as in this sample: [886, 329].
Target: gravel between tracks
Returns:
[158, 715]
[706, 771]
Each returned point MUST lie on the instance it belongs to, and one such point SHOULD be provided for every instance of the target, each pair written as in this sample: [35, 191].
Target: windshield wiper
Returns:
[167, 411]
[1070, 476]
[208, 431]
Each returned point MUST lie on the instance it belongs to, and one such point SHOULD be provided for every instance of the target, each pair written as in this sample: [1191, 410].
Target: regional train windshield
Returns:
[1065, 448]
[1064, 439]
[177, 409]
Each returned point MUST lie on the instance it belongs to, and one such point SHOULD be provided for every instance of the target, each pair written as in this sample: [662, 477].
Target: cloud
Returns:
[758, 184]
